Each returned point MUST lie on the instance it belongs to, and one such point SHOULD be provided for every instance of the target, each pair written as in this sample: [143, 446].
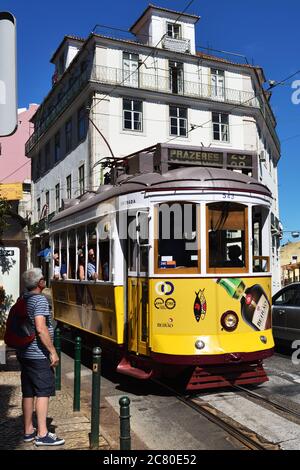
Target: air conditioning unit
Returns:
[262, 156]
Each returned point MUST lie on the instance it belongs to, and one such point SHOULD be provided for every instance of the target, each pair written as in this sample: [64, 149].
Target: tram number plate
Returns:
[228, 196]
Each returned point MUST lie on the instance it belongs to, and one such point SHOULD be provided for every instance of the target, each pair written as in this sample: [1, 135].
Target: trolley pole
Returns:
[57, 345]
[95, 414]
[125, 439]
[77, 372]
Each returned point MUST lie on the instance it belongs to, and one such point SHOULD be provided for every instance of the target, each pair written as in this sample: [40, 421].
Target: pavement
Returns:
[74, 427]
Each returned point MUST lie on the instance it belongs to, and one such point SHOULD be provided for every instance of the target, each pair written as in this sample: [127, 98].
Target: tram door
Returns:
[138, 291]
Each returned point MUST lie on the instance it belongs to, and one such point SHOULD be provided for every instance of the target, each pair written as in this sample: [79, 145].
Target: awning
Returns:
[45, 253]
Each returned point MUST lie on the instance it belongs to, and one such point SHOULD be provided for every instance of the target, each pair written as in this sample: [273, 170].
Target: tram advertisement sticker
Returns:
[162, 304]
[200, 305]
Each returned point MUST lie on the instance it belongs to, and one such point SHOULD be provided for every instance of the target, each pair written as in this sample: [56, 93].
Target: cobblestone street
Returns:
[74, 427]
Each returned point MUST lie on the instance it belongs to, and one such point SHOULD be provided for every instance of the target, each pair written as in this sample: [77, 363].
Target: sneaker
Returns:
[29, 437]
[49, 440]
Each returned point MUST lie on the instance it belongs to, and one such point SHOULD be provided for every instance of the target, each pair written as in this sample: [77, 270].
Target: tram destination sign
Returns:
[239, 160]
[199, 157]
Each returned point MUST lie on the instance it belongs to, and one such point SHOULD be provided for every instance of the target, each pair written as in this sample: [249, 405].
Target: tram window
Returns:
[227, 236]
[81, 254]
[92, 252]
[104, 249]
[132, 244]
[260, 240]
[72, 255]
[63, 255]
[55, 260]
[177, 243]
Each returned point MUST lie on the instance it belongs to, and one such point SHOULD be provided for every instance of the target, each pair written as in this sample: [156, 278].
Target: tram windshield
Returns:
[177, 244]
[227, 235]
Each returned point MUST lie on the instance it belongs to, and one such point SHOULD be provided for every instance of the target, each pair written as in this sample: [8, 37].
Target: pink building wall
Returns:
[15, 167]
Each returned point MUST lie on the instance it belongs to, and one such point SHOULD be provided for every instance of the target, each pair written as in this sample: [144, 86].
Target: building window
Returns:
[176, 77]
[47, 156]
[81, 179]
[132, 115]
[178, 121]
[57, 197]
[69, 186]
[130, 69]
[218, 84]
[220, 127]
[68, 135]
[48, 202]
[174, 30]
[81, 123]
[57, 147]
[38, 208]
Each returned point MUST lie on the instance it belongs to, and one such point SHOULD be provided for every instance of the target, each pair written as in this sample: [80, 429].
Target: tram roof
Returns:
[188, 178]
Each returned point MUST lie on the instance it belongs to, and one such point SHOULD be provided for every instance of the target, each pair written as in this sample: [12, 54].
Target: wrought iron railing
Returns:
[56, 111]
[154, 82]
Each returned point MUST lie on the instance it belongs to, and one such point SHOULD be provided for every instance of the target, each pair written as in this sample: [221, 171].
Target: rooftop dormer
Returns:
[168, 29]
[64, 55]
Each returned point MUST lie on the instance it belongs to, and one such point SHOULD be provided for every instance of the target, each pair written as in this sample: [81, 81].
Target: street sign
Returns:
[8, 79]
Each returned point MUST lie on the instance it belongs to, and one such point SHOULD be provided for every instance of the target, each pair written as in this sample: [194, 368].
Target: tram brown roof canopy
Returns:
[197, 178]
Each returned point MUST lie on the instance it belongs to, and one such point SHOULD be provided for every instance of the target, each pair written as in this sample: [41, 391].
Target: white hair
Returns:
[32, 277]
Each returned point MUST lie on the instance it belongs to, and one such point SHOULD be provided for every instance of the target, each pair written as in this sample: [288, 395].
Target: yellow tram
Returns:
[182, 261]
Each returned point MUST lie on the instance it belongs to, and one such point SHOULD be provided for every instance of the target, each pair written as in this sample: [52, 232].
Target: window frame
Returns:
[69, 186]
[178, 118]
[174, 271]
[229, 270]
[57, 197]
[81, 180]
[81, 124]
[173, 35]
[132, 112]
[68, 135]
[57, 147]
[220, 124]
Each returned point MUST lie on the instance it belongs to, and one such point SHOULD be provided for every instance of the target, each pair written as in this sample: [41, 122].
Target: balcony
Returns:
[152, 82]
[157, 83]
[42, 226]
[176, 45]
[61, 105]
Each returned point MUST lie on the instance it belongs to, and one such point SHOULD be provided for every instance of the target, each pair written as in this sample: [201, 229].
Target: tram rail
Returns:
[247, 438]
[272, 404]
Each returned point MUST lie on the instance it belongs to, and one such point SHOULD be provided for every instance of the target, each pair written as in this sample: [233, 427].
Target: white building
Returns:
[132, 94]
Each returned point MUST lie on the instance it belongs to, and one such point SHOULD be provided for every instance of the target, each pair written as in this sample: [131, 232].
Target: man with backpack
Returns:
[37, 360]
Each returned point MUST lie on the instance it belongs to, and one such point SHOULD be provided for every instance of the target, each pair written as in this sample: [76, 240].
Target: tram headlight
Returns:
[199, 344]
[229, 320]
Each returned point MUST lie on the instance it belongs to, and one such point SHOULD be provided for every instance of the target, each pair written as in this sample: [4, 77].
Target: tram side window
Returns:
[56, 268]
[63, 255]
[81, 254]
[260, 245]
[104, 250]
[92, 273]
[227, 236]
[177, 244]
[72, 255]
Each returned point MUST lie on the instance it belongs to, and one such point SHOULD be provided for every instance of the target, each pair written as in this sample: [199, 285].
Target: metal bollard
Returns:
[95, 414]
[57, 345]
[125, 439]
[77, 372]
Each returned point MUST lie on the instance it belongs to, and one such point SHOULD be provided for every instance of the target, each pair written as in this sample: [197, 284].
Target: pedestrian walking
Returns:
[37, 361]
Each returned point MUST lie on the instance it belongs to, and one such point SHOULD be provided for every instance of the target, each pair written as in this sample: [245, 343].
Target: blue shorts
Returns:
[37, 378]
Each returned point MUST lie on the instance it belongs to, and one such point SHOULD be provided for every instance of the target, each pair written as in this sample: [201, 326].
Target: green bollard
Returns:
[125, 439]
[95, 413]
[57, 345]
[77, 372]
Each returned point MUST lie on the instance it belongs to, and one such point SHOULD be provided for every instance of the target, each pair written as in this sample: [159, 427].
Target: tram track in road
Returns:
[249, 439]
[274, 406]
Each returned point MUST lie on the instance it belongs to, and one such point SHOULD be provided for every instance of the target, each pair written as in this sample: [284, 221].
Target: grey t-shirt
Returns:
[37, 304]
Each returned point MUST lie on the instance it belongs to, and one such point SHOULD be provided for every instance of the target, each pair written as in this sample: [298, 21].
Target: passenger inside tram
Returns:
[81, 265]
[92, 274]
[234, 253]
[56, 268]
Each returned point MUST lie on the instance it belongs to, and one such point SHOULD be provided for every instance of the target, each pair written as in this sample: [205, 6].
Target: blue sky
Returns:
[266, 32]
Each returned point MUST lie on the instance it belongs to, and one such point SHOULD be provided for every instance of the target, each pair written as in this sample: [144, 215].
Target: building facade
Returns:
[111, 97]
[15, 187]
